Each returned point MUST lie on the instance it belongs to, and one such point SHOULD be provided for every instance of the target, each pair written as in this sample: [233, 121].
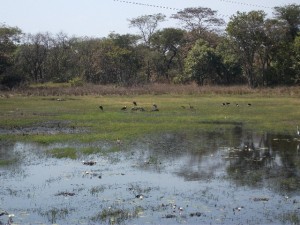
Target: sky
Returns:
[99, 18]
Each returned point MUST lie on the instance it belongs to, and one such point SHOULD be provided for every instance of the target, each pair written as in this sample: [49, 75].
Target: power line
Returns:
[247, 4]
[148, 5]
[158, 6]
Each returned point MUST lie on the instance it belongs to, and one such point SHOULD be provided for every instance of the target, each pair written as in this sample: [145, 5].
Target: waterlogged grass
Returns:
[79, 118]
[63, 153]
[7, 162]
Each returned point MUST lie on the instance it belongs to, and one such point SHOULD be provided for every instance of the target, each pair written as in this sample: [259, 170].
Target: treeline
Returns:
[252, 49]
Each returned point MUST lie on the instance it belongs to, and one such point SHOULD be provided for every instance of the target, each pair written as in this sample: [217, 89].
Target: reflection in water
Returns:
[224, 177]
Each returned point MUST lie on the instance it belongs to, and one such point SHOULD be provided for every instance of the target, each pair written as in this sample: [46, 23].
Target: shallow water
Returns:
[224, 177]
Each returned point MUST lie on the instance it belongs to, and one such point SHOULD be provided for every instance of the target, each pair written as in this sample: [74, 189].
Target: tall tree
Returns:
[32, 56]
[9, 39]
[246, 31]
[199, 21]
[201, 63]
[168, 43]
[147, 25]
[290, 14]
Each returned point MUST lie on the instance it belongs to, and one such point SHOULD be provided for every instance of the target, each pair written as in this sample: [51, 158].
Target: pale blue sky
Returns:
[97, 18]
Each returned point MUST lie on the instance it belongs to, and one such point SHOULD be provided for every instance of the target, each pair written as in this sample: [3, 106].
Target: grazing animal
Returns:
[101, 107]
[124, 108]
[134, 103]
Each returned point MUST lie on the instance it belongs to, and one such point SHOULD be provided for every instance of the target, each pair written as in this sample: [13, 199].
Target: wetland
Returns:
[67, 162]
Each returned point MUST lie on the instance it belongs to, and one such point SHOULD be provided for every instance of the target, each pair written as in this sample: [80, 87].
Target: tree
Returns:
[229, 70]
[201, 63]
[32, 56]
[246, 31]
[199, 21]
[147, 25]
[168, 43]
[61, 64]
[9, 39]
[290, 15]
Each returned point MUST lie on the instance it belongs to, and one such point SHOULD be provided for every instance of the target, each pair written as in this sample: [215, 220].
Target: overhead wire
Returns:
[176, 9]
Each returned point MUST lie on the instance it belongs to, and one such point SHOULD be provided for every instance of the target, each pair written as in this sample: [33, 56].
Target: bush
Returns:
[76, 82]
[11, 80]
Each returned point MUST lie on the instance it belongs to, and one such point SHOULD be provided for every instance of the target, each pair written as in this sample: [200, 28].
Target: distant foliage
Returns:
[252, 49]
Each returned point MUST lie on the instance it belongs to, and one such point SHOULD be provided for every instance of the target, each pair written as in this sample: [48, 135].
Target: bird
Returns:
[101, 107]
[89, 163]
[3, 213]
[298, 131]
[124, 108]
[237, 105]
[118, 141]
[154, 108]
[134, 103]
[249, 104]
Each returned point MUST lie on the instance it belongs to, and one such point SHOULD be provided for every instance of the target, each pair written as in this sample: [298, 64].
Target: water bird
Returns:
[2, 213]
[134, 103]
[101, 107]
[227, 103]
[89, 163]
[124, 108]
[139, 196]
[298, 131]
[155, 108]
[118, 141]
[237, 105]
[249, 104]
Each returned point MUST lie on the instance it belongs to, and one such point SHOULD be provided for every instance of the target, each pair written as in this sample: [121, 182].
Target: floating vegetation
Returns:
[116, 216]
[55, 214]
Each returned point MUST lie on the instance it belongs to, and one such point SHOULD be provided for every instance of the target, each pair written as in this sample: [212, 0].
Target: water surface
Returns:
[225, 177]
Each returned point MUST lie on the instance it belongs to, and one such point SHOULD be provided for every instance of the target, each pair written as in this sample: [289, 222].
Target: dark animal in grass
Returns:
[124, 108]
[155, 108]
[101, 107]
[134, 103]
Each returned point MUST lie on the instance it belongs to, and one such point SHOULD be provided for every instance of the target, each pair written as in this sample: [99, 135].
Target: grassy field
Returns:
[276, 112]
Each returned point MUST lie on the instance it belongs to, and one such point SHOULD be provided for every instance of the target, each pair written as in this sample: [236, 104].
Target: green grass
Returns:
[267, 114]
[63, 153]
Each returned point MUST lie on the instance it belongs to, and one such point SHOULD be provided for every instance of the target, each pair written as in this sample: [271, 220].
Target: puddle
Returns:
[226, 177]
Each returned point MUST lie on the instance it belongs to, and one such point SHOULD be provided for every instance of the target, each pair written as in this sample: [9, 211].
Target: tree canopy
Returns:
[250, 49]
